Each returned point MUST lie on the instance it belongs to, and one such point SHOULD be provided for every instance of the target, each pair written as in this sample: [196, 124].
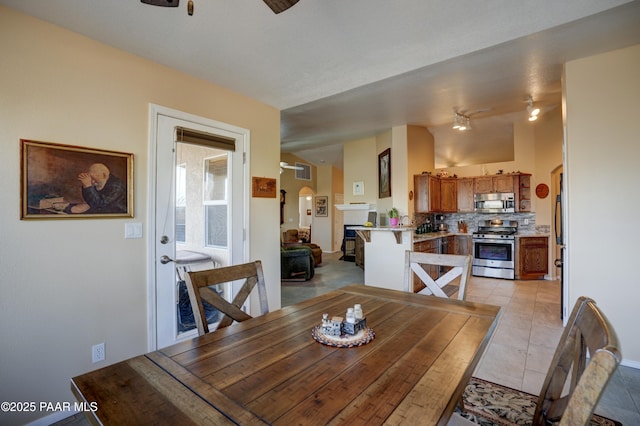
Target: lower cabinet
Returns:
[359, 251]
[532, 258]
[429, 246]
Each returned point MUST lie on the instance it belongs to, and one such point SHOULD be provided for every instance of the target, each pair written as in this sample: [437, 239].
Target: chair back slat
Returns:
[198, 287]
[419, 263]
[588, 333]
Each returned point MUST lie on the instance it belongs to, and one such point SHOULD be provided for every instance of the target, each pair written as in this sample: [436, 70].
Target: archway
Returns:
[305, 207]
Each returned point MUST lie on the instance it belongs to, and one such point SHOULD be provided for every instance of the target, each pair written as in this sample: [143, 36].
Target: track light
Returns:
[461, 122]
[533, 111]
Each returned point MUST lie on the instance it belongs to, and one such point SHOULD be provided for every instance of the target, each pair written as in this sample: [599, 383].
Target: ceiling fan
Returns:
[276, 5]
[284, 165]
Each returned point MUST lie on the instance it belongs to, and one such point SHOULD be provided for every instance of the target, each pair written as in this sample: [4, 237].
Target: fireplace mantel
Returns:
[357, 206]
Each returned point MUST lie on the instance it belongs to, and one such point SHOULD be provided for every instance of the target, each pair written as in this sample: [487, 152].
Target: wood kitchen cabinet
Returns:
[465, 195]
[498, 183]
[448, 195]
[428, 246]
[359, 255]
[426, 193]
[435, 195]
[532, 258]
[463, 245]
[523, 193]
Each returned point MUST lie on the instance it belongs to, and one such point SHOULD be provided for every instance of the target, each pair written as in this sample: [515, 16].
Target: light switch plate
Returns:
[133, 230]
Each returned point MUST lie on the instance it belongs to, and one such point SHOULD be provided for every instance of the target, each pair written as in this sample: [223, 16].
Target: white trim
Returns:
[359, 206]
[245, 135]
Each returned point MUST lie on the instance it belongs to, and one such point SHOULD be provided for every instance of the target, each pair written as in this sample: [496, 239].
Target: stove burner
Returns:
[496, 228]
[495, 232]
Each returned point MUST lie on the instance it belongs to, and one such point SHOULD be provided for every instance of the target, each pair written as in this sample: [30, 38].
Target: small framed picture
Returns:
[262, 187]
[358, 188]
[65, 182]
[322, 206]
[384, 174]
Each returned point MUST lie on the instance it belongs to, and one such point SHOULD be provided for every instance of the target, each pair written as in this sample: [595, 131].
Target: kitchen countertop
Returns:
[434, 235]
[382, 228]
[431, 235]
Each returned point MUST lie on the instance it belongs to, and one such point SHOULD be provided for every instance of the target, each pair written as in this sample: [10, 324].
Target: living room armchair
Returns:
[296, 238]
[296, 263]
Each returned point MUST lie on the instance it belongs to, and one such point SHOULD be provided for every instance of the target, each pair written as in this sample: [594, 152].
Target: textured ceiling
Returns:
[342, 69]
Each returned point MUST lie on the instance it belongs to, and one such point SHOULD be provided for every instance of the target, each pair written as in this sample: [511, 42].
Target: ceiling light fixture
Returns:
[533, 111]
[461, 122]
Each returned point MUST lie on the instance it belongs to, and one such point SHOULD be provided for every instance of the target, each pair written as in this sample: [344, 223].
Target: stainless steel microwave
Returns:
[501, 202]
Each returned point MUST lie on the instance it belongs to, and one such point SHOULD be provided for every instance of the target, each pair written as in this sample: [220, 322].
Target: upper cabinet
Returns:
[489, 184]
[426, 189]
[523, 193]
[435, 195]
[449, 195]
[465, 195]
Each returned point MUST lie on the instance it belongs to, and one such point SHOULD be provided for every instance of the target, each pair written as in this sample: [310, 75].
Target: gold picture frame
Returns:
[60, 181]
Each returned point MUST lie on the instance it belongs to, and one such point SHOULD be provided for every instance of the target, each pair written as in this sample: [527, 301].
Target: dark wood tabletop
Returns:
[270, 370]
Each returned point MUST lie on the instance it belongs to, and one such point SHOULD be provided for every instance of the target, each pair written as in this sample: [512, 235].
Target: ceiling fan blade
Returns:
[280, 5]
[287, 166]
[165, 3]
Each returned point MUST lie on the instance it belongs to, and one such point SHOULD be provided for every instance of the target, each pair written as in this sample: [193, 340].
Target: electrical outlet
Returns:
[97, 353]
[526, 221]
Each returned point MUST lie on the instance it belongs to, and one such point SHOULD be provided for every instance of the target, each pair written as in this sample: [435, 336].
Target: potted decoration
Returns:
[393, 217]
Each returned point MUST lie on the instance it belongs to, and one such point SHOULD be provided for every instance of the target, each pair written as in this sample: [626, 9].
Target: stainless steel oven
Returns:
[494, 249]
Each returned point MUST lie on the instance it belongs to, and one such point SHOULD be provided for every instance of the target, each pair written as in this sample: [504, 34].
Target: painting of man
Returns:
[102, 192]
[62, 181]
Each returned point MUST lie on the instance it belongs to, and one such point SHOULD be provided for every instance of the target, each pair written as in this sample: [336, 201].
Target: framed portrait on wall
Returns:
[65, 182]
[322, 206]
[384, 174]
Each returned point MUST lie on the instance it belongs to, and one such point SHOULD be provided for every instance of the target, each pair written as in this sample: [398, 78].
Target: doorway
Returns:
[197, 217]
[305, 207]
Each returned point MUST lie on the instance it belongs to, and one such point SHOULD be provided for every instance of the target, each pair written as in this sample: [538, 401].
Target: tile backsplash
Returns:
[472, 219]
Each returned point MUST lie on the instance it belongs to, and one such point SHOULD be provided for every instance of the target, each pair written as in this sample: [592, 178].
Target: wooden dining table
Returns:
[270, 370]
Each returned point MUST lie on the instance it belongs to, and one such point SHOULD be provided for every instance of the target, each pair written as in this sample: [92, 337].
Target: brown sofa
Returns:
[291, 238]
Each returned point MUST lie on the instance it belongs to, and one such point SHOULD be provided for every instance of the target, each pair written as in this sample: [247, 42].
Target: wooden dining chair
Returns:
[198, 286]
[588, 334]
[573, 385]
[428, 265]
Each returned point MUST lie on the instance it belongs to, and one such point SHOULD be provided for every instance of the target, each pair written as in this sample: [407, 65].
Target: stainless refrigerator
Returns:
[559, 262]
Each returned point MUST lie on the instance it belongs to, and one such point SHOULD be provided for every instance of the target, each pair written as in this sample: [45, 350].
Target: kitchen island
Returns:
[385, 248]
[384, 254]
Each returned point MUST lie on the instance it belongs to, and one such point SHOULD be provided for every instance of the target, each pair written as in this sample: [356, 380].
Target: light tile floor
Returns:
[521, 348]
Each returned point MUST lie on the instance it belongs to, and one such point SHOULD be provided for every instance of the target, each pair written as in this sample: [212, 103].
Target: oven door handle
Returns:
[491, 241]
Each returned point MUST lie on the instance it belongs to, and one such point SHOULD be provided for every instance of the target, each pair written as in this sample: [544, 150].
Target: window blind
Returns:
[202, 138]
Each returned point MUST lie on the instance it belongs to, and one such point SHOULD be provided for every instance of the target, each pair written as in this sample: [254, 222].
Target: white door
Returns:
[198, 214]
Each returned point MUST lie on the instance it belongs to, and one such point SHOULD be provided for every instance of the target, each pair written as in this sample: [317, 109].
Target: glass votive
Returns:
[351, 318]
[357, 311]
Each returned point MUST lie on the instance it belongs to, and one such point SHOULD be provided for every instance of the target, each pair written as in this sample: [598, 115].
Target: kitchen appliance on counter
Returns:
[502, 202]
[439, 224]
[494, 249]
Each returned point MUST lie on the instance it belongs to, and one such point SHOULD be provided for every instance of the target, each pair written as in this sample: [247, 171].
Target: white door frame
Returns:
[154, 112]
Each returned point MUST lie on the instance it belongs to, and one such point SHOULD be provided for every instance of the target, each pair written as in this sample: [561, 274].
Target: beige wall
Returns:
[602, 172]
[360, 165]
[69, 284]
[548, 137]
[323, 225]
